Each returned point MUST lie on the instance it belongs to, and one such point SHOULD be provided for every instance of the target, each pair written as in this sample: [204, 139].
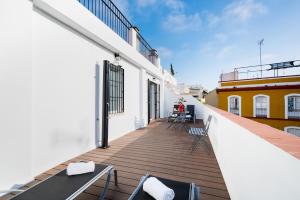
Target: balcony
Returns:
[109, 14]
[156, 150]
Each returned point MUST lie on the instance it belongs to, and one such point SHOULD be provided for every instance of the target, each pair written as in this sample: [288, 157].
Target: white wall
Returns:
[64, 92]
[48, 85]
[252, 167]
[15, 93]
[82, 20]
[170, 93]
[122, 123]
[170, 98]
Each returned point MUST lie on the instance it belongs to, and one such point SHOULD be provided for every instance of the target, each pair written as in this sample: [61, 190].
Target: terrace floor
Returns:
[157, 150]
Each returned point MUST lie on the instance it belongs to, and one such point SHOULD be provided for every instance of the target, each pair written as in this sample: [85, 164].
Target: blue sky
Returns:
[203, 38]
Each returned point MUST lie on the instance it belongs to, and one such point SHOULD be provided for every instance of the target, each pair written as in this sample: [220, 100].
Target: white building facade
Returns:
[53, 94]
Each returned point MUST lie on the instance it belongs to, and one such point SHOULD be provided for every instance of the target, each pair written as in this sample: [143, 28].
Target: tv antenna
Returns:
[260, 43]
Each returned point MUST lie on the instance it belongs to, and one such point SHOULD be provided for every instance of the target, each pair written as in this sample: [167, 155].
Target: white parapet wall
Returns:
[170, 91]
[252, 167]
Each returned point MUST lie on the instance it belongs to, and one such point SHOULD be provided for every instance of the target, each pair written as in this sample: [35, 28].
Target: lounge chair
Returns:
[173, 115]
[183, 191]
[190, 113]
[61, 186]
[199, 134]
[172, 118]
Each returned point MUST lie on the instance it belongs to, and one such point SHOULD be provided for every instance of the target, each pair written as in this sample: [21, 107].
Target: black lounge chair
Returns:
[183, 191]
[61, 186]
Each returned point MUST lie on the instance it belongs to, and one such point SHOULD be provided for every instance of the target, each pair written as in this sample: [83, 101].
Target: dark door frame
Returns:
[97, 105]
[148, 101]
[156, 97]
[105, 104]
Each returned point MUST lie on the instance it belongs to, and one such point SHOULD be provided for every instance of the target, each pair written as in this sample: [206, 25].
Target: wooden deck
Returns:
[157, 150]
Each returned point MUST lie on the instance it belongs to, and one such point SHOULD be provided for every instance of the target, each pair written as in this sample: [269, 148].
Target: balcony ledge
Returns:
[286, 142]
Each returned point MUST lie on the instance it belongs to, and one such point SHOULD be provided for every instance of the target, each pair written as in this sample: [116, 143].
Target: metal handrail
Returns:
[115, 7]
[251, 66]
[144, 42]
[261, 71]
[108, 12]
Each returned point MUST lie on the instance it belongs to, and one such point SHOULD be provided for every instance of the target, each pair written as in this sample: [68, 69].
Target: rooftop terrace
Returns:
[157, 150]
[272, 70]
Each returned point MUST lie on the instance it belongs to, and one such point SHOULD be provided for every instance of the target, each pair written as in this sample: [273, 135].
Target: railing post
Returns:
[158, 62]
[154, 57]
[133, 36]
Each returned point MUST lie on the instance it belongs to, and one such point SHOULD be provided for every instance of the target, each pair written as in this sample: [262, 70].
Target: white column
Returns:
[143, 97]
[133, 37]
[158, 62]
[162, 97]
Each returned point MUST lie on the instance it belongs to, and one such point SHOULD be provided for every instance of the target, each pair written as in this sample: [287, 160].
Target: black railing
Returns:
[107, 12]
[145, 49]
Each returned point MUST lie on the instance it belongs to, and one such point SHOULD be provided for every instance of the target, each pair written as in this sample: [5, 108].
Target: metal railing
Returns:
[107, 12]
[235, 111]
[295, 114]
[261, 112]
[145, 49]
[262, 71]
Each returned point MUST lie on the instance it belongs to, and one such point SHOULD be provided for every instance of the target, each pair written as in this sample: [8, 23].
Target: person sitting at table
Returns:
[180, 107]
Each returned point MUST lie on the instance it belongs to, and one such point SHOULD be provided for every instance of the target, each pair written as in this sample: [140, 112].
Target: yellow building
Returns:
[270, 99]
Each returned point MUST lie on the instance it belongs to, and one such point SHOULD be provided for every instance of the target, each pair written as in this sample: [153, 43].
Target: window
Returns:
[293, 130]
[234, 105]
[292, 106]
[261, 106]
[116, 89]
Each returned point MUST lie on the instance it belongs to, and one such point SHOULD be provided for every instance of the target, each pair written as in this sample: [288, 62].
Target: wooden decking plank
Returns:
[170, 156]
[154, 168]
[156, 150]
[166, 165]
[155, 160]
